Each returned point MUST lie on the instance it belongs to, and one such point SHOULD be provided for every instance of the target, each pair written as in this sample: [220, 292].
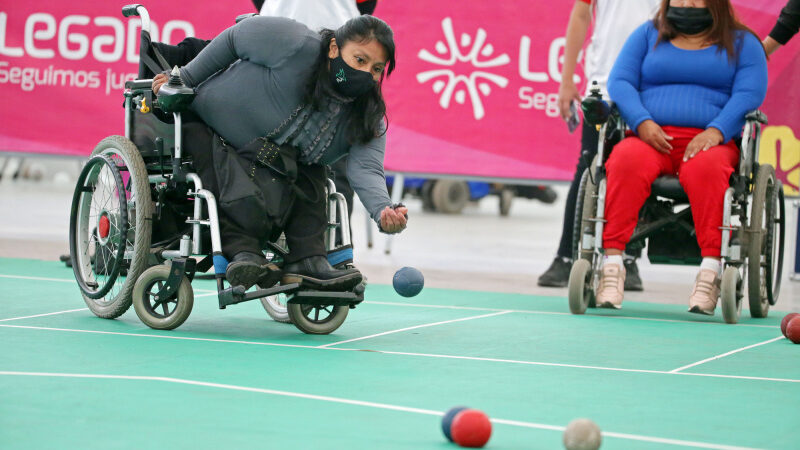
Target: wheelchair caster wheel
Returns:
[317, 319]
[581, 292]
[731, 295]
[161, 313]
[275, 305]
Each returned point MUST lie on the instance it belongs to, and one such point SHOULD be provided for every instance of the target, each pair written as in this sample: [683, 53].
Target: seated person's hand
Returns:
[652, 134]
[702, 142]
[158, 81]
[393, 220]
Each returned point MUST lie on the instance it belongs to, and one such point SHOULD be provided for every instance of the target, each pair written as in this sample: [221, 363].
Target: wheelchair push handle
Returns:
[130, 10]
[137, 10]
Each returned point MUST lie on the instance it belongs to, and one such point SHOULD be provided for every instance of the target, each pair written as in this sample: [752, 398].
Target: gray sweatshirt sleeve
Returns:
[266, 41]
[365, 173]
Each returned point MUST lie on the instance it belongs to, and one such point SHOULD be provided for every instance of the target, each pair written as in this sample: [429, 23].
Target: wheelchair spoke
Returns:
[316, 314]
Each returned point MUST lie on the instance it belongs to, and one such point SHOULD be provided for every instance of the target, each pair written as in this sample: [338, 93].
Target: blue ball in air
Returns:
[408, 281]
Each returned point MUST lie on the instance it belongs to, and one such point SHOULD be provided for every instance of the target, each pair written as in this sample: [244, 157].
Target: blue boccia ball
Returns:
[447, 421]
[408, 281]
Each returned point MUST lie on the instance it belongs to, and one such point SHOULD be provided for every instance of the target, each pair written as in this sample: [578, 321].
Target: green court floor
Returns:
[651, 375]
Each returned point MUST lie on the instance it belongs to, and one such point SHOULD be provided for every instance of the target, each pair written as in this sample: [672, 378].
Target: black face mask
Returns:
[690, 20]
[348, 81]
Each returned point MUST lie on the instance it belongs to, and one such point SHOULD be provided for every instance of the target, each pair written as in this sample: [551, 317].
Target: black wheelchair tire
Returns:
[759, 256]
[577, 219]
[145, 285]
[299, 317]
[82, 201]
[731, 295]
[587, 211]
[140, 211]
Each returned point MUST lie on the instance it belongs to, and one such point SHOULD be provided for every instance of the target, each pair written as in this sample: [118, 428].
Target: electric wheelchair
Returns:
[142, 225]
[752, 230]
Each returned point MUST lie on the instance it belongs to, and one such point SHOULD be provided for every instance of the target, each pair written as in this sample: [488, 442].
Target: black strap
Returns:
[145, 45]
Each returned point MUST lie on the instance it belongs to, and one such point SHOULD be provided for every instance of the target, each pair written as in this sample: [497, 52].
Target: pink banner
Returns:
[475, 90]
[474, 93]
[63, 65]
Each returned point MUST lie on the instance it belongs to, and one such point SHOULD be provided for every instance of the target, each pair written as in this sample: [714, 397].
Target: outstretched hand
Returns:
[394, 220]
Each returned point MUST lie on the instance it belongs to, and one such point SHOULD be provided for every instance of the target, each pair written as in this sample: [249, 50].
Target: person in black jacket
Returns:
[786, 27]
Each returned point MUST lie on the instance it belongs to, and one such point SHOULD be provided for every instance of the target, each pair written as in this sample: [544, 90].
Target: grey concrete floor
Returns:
[476, 250]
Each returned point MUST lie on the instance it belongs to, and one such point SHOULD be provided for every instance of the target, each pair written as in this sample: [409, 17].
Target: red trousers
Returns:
[634, 165]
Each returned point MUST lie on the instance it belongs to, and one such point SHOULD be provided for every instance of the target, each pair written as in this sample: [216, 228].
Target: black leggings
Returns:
[305, 228]
[589, 138]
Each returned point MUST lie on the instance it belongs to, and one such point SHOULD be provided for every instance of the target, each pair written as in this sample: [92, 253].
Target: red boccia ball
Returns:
[786, 319]
[793, 330]
[471, 428]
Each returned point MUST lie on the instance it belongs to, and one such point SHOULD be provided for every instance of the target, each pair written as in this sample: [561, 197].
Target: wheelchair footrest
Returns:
[325, 298]
[237, 294]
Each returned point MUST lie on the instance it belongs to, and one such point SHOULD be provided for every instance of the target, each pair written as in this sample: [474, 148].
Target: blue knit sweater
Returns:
[688, 88]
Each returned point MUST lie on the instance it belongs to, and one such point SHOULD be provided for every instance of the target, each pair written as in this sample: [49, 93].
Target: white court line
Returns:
[679, 369]
[558, 313]
[387, 406]
[21, 277]
[46, 314]
[424, 355]
[459, 307]
[415, 327]
[62, 280]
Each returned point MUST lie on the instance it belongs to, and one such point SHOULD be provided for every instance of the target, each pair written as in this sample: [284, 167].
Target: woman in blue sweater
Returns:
[684, 82]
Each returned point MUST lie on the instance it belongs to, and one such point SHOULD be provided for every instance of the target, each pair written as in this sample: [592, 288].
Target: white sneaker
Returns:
[611, 287]
[705, 293]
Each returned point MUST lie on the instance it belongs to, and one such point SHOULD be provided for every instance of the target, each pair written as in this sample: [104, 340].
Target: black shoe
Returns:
[557, 275]
[247, 269]
[632, 280]
[544, 194]
[315, 272]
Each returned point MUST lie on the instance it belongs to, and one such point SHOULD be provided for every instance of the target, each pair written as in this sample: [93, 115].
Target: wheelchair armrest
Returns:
[139, 84]
[756, 116]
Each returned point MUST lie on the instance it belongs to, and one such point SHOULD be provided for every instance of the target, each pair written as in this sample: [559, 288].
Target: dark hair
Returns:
[369, 109]
[722, 32]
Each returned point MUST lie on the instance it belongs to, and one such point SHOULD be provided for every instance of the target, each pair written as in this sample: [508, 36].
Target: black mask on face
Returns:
[348, 81]
[690, 20]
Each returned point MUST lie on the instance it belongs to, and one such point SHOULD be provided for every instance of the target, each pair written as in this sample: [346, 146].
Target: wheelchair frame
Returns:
[173, 278]
[746, 246]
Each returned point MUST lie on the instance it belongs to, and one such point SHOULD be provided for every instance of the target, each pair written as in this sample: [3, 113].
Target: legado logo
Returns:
[72, 37]
[477, 85]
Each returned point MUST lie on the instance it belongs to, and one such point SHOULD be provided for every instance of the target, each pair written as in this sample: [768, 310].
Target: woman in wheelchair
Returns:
[315, 95]
[684, 82]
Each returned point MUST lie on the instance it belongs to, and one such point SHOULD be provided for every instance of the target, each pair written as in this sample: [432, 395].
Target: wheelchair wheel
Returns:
[108, 253]
[765, 249]
[578, 217]
[161, 313]
[581, 287]
[758, 251]
[275, 305]
[450, 196]
[98, 226]
[731, 294]
[317, 319]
